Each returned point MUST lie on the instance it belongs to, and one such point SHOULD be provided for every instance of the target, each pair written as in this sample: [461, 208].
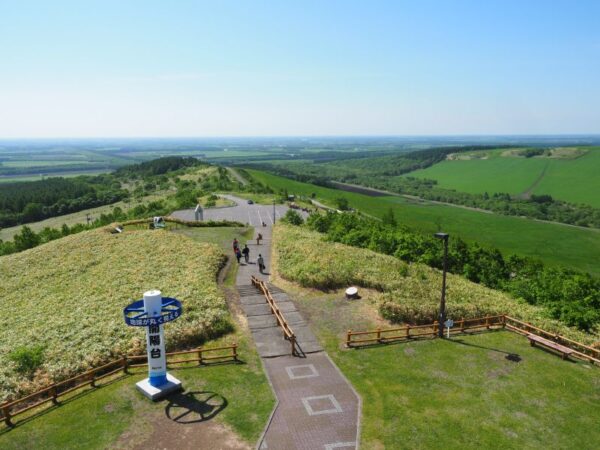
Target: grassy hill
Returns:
[407, 292]
[67, 296]
[569, 177]
[555, 244]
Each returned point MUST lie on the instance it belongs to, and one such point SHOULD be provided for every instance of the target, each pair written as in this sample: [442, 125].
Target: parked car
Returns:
[251, 202]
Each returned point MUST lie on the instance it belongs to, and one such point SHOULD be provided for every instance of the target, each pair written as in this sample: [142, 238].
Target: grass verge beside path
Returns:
[555, 244]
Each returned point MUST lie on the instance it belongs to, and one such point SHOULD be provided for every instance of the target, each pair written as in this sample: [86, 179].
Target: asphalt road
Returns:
[253, 215]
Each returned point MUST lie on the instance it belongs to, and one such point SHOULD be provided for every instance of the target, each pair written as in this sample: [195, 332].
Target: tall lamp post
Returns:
[442, 317]
[274, 213]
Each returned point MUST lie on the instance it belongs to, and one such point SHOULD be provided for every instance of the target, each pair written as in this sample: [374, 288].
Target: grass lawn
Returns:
[458, 393]
[571, 247]
[96, 418]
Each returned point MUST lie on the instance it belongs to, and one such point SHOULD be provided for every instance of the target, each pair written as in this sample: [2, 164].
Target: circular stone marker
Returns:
[352, 292]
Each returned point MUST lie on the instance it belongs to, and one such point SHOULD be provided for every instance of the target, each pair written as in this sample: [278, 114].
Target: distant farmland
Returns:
[555, 244]
[573, 179]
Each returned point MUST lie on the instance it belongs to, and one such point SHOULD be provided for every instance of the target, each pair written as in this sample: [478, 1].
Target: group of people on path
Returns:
[245, 252]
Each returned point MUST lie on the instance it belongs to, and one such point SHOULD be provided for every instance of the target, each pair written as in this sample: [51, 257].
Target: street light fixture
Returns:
[442, 316]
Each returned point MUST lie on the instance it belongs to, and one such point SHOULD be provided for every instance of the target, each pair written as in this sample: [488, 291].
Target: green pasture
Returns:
[574, 180]
[554, 244]
[488, 390]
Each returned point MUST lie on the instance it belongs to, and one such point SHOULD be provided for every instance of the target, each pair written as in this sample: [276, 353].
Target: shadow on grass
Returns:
[514, 357]
[194, 407]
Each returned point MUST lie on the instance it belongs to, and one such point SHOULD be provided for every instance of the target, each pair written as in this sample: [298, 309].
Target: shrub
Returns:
[27, 359]
[292, 217]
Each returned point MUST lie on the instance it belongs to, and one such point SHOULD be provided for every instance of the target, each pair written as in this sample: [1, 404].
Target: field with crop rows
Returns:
[68, 296]
[573, 180]
[409, 292]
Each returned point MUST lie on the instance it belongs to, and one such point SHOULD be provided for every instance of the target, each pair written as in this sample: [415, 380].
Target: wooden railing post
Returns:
[407, 331]
[348, 338]
[200, 356]
[435, 325]
[125, 364]
[6, 414]
[462, 324]
[379, 335]
[487, 322]
[93, 379]
[235, 354]
[54, 394]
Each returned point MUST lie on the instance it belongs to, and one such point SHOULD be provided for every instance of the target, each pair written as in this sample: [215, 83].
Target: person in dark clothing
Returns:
[261, 263]
[246, 253]
[238, 254]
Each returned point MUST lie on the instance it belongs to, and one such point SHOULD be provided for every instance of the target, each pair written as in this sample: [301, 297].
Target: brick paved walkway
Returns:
[317, 407]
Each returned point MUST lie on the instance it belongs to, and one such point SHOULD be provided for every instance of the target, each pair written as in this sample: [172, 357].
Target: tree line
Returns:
[570, 296]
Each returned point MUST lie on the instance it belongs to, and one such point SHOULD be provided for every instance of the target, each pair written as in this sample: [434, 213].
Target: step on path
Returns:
[317, 408]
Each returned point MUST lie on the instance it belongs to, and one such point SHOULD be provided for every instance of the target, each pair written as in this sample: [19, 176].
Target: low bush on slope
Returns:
[67, 298]
[410, 292]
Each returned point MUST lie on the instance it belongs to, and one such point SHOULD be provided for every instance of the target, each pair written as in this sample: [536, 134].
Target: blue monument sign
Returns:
[152, 312]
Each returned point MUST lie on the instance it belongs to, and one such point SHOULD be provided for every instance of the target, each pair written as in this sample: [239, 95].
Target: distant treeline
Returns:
[568, 295]
[158, 166]
[30, 201]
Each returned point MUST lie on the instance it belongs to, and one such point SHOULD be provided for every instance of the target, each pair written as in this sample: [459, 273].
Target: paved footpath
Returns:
[317, 407]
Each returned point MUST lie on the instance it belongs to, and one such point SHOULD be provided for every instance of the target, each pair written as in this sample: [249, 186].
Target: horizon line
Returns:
[307, 136]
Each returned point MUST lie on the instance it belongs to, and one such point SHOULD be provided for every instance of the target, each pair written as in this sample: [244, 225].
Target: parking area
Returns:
[251, 214]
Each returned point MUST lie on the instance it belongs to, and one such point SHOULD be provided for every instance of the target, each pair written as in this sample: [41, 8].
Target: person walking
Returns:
[246, 253]
[236, 244]
[238, 255]
[258, 239]
[261, 263]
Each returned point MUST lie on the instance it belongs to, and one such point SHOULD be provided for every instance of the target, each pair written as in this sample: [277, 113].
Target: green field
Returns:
[555, 244]
[573, 180]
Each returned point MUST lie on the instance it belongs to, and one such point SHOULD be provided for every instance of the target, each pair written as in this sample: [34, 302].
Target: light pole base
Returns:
[155, 393]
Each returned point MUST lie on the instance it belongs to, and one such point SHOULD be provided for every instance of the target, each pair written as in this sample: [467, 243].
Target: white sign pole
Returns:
[155, 341]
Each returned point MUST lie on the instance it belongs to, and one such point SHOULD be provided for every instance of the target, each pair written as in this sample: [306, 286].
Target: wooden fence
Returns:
[408, 332]
[90, 377]
[288, 333]
[580, 350]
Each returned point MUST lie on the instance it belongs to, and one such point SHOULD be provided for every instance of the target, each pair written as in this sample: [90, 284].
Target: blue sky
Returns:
[183, 68]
